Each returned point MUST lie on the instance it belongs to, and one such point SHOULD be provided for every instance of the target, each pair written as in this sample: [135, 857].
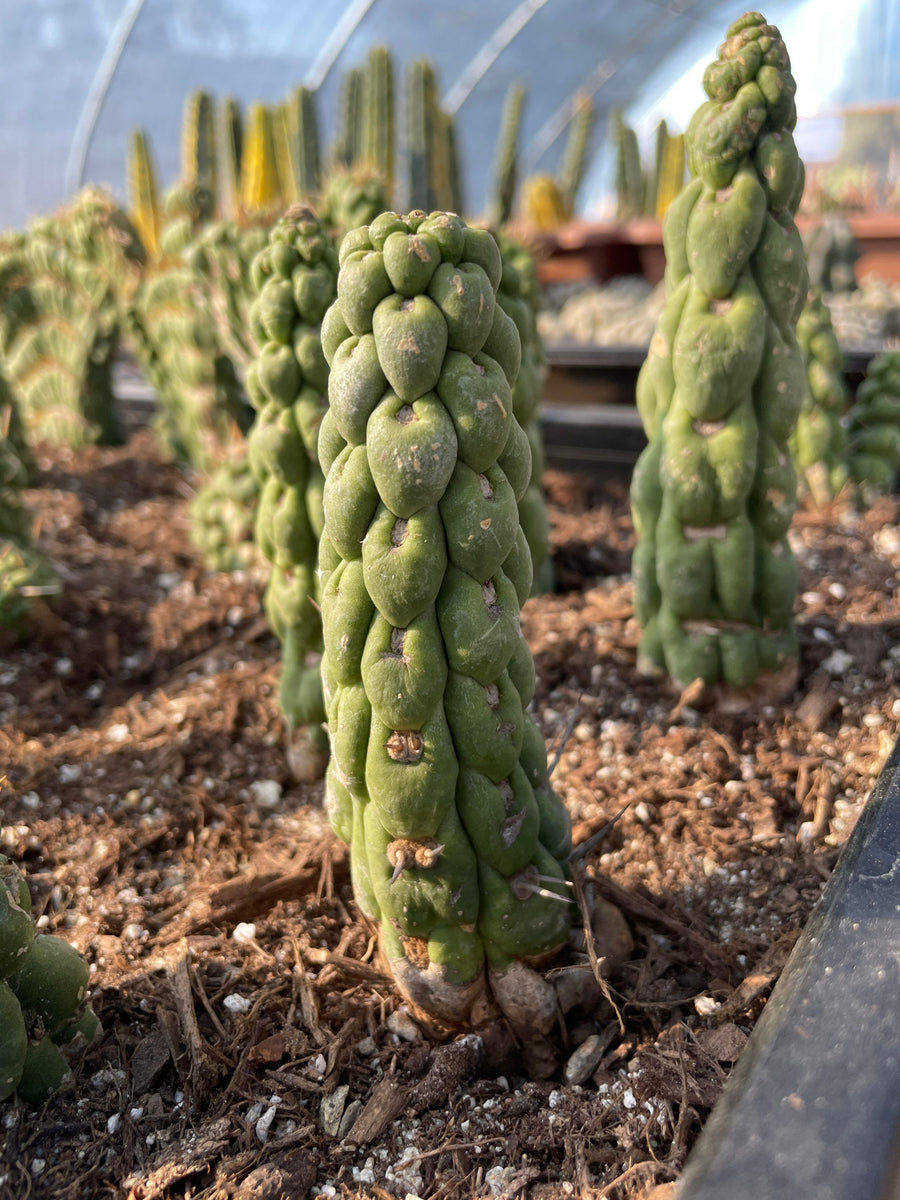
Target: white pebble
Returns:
[838, 591]
[69, 772]
[63, 666]
[234, 1003]
[117, 733]
[264, 1124]
[244, 933]
[37, 1165]
[706, 1006]
[113, 1123]
[266, 792]
[838, 662]
[628, 1099]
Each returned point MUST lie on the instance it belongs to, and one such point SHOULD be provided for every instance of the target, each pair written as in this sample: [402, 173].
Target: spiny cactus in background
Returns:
[671, 177]
[143, 192]
[23, 575]
[873, 432]
[575, 155]
[284, 167]
[819, 442]
[831, 255]
[505, 169]
[303, 143]
[544, 205]
[199, 162]
[426, 145]
[653, 175]
[187, 210]
[223, 255]
[66, 286]
[377, 139]
[438, 777]
[347, 151]
[46, 1022]
[260, 188]
[295, 277]
[223, 512]
[455, 184]
[629, 176]
[352, 198]
[714, 492]
[519, 297]
[233, 138]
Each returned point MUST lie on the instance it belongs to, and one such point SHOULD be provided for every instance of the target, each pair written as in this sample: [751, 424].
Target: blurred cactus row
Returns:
[646, 191]
[46, 1022]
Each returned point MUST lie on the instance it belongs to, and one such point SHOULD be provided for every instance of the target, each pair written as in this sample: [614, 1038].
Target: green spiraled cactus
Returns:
[832, 252]
[377, 139]
[519, 297]
[303, 142]
[873, 432]
[576, 153]
[506, 158]
[629, 176]
[45, 1020]
[199, 161]
[352, 198]
[819, 442]
[438, 777]
[714, 492]
[295, 277]
[223, 255]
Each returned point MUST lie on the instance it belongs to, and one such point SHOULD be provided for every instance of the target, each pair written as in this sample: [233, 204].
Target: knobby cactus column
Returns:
[714, 492]
[874, 429]
[296, 278]
[819, 442]
[438, 776]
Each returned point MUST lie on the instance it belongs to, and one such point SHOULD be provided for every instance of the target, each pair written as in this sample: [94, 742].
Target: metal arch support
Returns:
[479, 66]
[93, 103]
[336, 41]
[557, 122]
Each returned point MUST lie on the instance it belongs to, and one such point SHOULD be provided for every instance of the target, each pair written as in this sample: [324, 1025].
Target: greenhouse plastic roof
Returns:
[77, 78]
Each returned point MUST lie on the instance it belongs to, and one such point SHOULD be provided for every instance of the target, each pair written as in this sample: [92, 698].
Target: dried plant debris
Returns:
[252, 1044]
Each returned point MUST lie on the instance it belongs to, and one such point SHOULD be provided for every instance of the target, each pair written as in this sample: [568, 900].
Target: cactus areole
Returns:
[714, 492]
[438, 775]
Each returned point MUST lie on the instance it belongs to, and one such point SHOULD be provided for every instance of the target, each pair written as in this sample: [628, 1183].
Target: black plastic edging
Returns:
[812, 1110]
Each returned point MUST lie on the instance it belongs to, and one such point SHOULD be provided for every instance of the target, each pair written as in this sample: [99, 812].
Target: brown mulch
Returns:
[251, 1047]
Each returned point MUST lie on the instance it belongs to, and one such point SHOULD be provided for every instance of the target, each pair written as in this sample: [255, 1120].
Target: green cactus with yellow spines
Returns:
[377, 140]
[873, 430]
[819, 442]
[260, 185]
[199, 160]
[43, 999]
[143, 192]
[671, 177]
[295, 277]
[543, 204]
[438, 776]
[505, 170]
[714, 492]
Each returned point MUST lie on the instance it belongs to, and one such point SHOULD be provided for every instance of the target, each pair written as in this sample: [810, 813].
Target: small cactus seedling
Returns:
[438, 777]
[714, 492]
[819, 442]
[295, 276]
[874, 429]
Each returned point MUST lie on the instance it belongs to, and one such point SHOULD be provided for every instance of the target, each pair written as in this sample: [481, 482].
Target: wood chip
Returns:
[388, 1100]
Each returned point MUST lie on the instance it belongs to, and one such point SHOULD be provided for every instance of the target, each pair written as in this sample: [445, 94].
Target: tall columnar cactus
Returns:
[260, 189]
[23, 574]
[347, 150]
[671, 178]
[303, 142]
[655, 171]
[377, 140]
[45, 1019]
[143, 192]
[233, 136]
[874, 428]
[455, 183]
[295, 276]
[576, 153]
[714, 492]
[438, 776]
[426, 146]
[199, 161]
[544, 205]
[506, 158]
[819, 442]
[519, 297]
[629, 176]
